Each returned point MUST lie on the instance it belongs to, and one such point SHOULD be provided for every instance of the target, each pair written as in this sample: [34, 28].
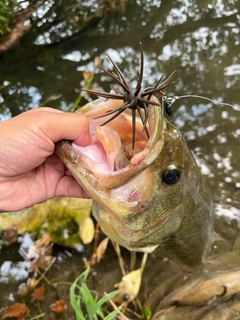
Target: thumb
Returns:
[59, 125]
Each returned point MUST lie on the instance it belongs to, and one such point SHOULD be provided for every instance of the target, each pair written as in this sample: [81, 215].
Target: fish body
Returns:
[149, 197]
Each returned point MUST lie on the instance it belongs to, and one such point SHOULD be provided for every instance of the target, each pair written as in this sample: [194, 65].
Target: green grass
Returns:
[87, 306]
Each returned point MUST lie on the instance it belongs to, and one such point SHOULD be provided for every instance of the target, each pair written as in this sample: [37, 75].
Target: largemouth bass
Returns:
[151, 196]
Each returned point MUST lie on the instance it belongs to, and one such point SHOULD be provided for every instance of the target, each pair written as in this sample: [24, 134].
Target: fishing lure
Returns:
[137, 99]
[167, 102]
[133, 98]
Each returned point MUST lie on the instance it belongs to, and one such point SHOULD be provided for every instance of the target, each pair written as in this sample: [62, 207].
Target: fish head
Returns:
[147, 197]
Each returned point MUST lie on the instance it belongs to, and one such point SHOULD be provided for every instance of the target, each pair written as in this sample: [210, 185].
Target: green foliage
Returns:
[6, 16]
[146, 313]
[87, 306]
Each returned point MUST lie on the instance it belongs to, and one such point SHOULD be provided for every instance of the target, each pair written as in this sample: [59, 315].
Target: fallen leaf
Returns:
[43, 244]
[23, 290]
[15, 310]
[129, 287]
[53, 216]
[101, 249]
[203, 289]
[21, 317]
[40, 253]
[87, 230]
[96, 61]
[86, 75]
[42, 262]
[38, 293]
[31, 283]
[59, 306]
[10, 235]
[44, 241]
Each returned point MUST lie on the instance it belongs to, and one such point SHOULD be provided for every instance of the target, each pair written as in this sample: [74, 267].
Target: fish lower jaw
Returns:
[147, 249]
[128, 243]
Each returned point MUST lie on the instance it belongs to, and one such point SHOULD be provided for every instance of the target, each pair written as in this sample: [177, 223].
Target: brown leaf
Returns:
[96, 61]
[41, 262]
[21, 317]
[205, 288]
[23, 290]
[31, 283]
[15, 310]
[40, 253]
[10, 235]
[40, 246]
[59, 306]
[86, 75]
[38, 293]
[44, 241]
[101, 249]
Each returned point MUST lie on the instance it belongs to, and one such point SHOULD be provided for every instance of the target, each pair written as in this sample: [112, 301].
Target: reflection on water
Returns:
[200, 39]
[13, 272]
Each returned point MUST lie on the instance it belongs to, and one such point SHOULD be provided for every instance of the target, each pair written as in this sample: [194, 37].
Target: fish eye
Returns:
[171, 175]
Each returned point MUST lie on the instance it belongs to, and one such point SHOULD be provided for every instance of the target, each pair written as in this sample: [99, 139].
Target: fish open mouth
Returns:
[110, 157]
[124, 182]
[126, 129]
[144, 182]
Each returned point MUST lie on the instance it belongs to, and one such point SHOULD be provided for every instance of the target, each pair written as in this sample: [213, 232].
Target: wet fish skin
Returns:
[189, 232]
[136, 208]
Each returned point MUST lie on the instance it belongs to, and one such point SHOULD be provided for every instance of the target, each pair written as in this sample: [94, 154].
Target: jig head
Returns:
[133, 98]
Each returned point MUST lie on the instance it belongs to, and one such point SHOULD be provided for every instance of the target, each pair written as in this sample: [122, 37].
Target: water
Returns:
[199, 40]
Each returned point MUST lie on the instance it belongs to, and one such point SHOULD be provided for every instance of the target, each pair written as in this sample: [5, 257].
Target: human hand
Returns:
[30, 171]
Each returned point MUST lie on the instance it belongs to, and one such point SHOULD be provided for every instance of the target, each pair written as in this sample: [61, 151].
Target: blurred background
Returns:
[57, 41]
[48, 48]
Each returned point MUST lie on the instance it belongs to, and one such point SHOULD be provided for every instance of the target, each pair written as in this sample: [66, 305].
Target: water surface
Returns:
[199, 39]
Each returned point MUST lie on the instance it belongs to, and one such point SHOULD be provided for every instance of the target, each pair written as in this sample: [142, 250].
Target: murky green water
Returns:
[200, 39]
